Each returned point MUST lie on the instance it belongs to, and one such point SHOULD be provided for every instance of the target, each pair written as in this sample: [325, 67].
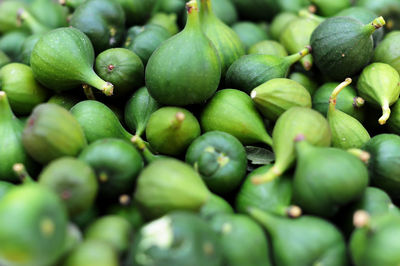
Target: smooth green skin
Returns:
[103, 21]
[273, 197]
[148, 40]
[63, 59]
[307, 240]
[92, 253]
[23, 91]
[122, 68]
[233, 112]
[293, 5]
[329, 8]
[279, 24]
[215, 205]
[249, 33]
[304, 80]
[116, 164]
[64, 99]
[170, 6]
[168, 184]
[73, 238]
[388, 51]
[384, 164]
[269, 48]
[256, 10]
[98, 121]
[49, 13]
[298, 120]
[243, 241]
[168, 135]
[340, 36]
[168, 21]
[131, 33]
[138, 110]
[275, 96]
[225, 40]
[381, 7]
[12, 151]
[326, 179]
[11, 44]
[192, 242]
[73, 180]
[296, 36]
[379, 83]
[130, 213]
[137, 11]
[27, 48]
[8, 15]
[344, 101]
[225, 11]
[4, 188]
[220, 159]
[347, 132]
[113, 230]
[4, 59]
[52, 129]
[378, 243]
[169, 79]
[33, 226]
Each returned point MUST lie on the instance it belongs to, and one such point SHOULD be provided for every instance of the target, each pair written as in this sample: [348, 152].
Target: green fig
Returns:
[116, 164]
[329, 8]
[98, 121]
[233, 112]
[394, 120]
[225, 40]
[168, 184]
[379, 85]
[63, 59]
[214, 206]
[11, 44]
[138, 110]
[73, 181]
[279, 24]
[23, 91]
[52, 132]
[169, 79]
[243, 241]
[8, 15]
[73, 239]
[388, 51]
[4, 59]
[5, 187]
[296, 120]
[307, 240]
[130, 212]
[304, 80]
[137, 11]
[347, 132]
[64, 99]
[49, 13]
[220, 159]
[92, 252]
[249, 33]
[170, 130]
[250, 71]
[268, 47]
[36, 27]
[225, 10]
[168, 21]
[27, 48]
[275, 96]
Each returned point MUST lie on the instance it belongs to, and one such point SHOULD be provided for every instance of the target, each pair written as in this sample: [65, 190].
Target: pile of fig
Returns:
[199, 132]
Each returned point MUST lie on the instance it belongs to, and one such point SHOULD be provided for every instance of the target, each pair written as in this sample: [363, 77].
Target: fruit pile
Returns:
[199, 133]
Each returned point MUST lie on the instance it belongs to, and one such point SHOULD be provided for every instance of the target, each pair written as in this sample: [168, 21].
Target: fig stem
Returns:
[273, 173]
[361, 218]
[192, 6]
[336, 91]
[142, 147]
[88, 92]
[304, 13]
[95, 81]
[358, 102]
[385, 113]
[6, 113]
[124, 200]
[360, 154]
[374, 25]
[178, 120]
[35, 26]
[294, 211]
[291, 59]
[20, 170]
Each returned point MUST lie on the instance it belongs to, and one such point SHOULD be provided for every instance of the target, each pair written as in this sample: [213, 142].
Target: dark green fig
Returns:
[137, 11]
[4, 59]
[11, 44]
[116, 164]
[295, 121]
[52, 132]
[169, 79]
[98, 121]
[347, 101]
[388, 51]
[383, 166]
[92, 252]
[220, 159]
[347, 132]
[170, 130]
[225, 10]
[273, 197]
[12, 150]
[33, 226]
[394, 120]
[279, 24]
[233, 112]
[296, 36]
[257, 10]
[307, 240]
[225, 40]
[168, 21]
[27, 48]
[342, 46]
[23, 91]
[122, 68]
[103, 21]
[269, 48]
[379, 85]
[64, 99]
[168, 184]
[179, 239]
[8, 15]
[214, 206]
[249, 33]
[275, 96]
[376, 241]
[145, 42]
[250, 71]
[63, 59]
[243, 241]
[73, 181]
[111, 229]
[304, 80]
[329, 8]
[326, 178]
[5, 187]
[170, 6]
[138, 110]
